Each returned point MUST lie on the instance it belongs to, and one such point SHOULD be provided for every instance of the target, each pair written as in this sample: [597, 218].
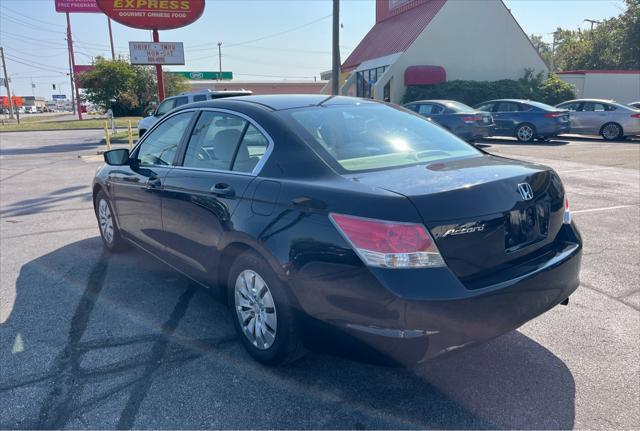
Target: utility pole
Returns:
[113, 51]
[553, 53]
[220, 60]
[592, 22]
[6, 82]
[335, 64]
[73, 98]
[73, 63]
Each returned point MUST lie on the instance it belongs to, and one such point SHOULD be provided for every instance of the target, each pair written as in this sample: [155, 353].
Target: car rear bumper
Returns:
[408, 316]
[473, 133]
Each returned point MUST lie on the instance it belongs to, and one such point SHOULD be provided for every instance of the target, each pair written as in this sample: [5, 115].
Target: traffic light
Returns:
[54, 86]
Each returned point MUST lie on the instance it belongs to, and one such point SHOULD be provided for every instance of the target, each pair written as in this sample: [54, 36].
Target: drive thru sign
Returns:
[156, 52]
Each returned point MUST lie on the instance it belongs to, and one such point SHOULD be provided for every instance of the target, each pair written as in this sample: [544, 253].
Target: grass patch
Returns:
[123, 137]
[34, 126]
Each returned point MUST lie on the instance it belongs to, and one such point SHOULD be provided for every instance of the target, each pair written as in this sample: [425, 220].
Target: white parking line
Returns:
[603, 209]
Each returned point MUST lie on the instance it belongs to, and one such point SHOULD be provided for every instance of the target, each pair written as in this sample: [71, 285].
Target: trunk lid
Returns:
[486, 213]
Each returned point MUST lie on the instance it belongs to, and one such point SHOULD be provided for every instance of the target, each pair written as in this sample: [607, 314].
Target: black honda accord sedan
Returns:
[359, 216]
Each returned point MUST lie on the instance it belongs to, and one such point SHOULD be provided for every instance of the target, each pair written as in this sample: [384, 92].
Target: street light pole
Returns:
[335, 64]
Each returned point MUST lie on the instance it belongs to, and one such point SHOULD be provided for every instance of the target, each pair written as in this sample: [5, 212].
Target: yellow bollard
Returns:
[130, 137]
[107, 138]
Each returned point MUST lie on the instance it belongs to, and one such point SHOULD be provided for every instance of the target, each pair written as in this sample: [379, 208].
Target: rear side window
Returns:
[225, 142]
[160, 146]
[429, 109]
[252, 149]
[214, 141]
[200, 98]
[181, 101]
[508, 107]
[375, 136]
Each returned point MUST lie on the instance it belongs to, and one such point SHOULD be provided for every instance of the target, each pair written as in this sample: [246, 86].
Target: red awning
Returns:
[424, 75]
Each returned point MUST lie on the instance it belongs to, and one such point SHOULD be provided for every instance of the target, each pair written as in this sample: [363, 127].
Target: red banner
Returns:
[153, 14]
[73, 6]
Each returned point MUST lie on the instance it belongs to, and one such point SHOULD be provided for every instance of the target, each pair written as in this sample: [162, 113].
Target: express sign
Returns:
[153, 14]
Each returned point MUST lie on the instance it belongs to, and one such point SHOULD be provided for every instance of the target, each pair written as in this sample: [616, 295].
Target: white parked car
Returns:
[606, 118]
[182, 99]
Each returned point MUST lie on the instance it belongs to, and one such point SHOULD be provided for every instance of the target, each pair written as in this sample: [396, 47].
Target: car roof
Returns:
[278, 102]
[591, 100]
[507, 100]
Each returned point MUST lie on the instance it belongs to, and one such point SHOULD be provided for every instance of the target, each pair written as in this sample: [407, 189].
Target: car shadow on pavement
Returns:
[47, 149]
[95, 340]
[47, 202]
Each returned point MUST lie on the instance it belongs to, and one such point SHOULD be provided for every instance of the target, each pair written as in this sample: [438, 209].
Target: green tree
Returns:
[614, 43]
[106, 82]
[175, 84]
[542, 47]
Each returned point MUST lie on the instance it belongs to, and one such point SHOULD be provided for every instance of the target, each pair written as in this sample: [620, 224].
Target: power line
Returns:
[271, 35]
[34, 67]
[29, 25]
[3, 5]
[31, 61]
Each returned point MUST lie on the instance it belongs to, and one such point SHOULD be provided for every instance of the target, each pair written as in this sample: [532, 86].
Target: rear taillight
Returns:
[566, 218]
[635, 116]
[472, 119]
[554, 114]
[387, 244]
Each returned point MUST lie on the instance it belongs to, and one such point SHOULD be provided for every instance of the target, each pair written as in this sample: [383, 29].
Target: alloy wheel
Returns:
[255, 309]
[525, 133]
[611, 131]
[106, 221]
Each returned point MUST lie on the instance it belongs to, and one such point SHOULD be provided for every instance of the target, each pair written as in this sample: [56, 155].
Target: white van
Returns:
[182, 99]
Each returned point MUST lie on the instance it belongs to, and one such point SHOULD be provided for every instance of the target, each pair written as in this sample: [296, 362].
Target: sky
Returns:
[261, 39]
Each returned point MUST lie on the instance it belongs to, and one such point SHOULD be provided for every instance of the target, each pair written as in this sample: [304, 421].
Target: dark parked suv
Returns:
[525, 119]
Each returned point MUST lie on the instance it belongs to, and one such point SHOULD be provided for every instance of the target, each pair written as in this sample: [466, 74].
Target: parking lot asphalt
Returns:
[92, 340]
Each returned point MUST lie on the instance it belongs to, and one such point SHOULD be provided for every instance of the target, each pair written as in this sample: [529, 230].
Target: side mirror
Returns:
[119, 157]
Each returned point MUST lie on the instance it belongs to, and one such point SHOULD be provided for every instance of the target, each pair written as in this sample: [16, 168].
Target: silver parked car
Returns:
[606, 118]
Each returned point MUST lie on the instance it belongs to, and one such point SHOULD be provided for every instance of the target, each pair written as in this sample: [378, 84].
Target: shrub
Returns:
[551, 90]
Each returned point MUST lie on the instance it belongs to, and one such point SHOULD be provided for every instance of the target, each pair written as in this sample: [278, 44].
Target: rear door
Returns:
[136, 189]
[220, 160]
[574, 116]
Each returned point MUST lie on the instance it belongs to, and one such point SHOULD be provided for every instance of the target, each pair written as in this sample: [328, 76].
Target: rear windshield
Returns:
[458, 107]
[374, 136]
[541, 105]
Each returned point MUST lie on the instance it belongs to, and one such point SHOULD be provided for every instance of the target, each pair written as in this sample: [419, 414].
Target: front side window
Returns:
[214, 141]
[425, 109]
[570, 106]
[508, 107]
[160, 146]
[375, 136]
[488, 107]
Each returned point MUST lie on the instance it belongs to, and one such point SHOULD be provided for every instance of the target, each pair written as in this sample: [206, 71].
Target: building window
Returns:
[366, 79]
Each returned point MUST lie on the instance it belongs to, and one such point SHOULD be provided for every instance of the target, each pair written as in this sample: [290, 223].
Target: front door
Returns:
[136, 188]
[200, 196]
[506, 117]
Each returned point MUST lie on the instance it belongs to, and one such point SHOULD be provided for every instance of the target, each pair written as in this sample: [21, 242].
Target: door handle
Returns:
[222, 189]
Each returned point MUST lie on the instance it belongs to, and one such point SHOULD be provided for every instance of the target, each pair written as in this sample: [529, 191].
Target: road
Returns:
[91, 340]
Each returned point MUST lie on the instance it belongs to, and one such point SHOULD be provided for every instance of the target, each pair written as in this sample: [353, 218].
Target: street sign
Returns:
[204, 76]
[156, 52]
[153, 15]
[74, 6]
[59, 97]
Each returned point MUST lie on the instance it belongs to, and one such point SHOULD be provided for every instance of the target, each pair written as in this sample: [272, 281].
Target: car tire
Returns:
[262, 313]
[526, 132]
[109, 232]
[611, 132]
